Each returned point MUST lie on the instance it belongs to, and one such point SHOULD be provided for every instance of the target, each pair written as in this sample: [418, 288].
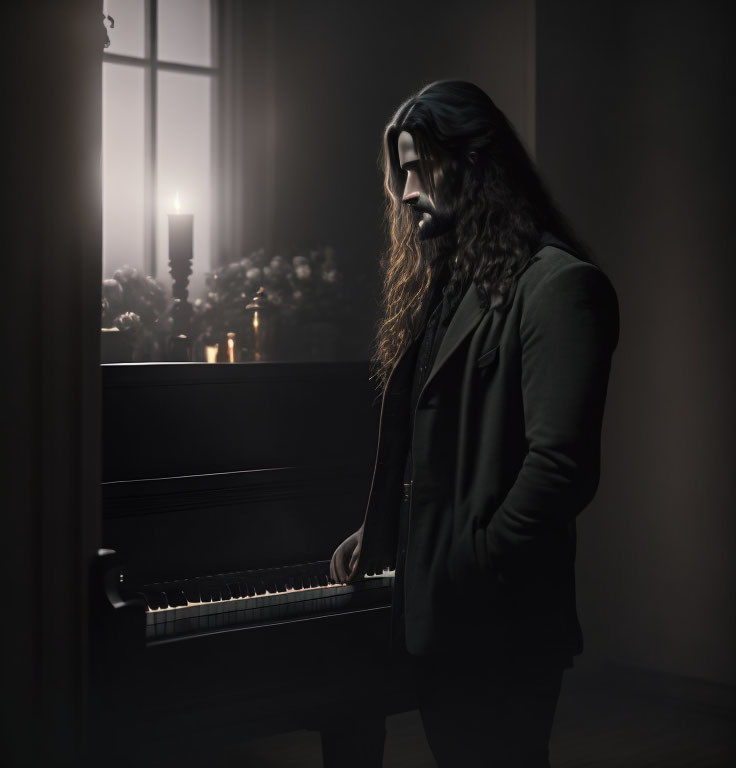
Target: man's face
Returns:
[432, 216]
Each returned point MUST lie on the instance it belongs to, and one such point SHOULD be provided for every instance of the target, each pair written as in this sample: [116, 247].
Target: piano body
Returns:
[226, 489]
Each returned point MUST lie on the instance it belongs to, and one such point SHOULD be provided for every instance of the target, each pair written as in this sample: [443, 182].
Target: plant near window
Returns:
[138, 307]
[305, 290]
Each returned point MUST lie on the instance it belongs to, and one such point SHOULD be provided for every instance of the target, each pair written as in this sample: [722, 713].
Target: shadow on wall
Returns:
[632, 131]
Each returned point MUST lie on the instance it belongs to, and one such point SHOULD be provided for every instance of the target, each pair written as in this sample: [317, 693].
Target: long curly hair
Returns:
[501, 205]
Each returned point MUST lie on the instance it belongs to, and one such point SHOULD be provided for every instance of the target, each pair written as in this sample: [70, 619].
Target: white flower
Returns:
[303, 271]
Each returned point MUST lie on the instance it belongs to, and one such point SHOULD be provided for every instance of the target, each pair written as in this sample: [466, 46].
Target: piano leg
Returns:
[356, 742]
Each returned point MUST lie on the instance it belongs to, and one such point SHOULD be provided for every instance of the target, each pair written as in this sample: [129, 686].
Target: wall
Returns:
[52, 234]
[634, 134]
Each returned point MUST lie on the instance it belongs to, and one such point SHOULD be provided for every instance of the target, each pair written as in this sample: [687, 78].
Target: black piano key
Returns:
[176, 597]
[225, 592]
[205, 595]
[192, 593]
[234, 589]
[250, 588]
[323, 579]
[151, 600]
[163, 600]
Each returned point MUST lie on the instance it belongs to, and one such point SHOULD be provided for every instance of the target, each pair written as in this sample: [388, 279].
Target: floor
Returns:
[606, 718]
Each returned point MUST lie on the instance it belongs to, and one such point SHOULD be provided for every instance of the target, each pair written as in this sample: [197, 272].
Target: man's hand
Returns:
[345, 557]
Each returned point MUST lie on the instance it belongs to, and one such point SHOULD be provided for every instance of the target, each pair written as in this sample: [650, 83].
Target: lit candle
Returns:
[181, 230]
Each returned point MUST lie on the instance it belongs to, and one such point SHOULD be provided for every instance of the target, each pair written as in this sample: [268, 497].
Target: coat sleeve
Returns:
[569, 329]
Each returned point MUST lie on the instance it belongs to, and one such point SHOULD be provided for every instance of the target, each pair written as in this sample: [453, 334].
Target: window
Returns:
[158, 91]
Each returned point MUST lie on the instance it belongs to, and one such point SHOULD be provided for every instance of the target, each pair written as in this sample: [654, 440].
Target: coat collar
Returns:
[469, 314]
[466, 319]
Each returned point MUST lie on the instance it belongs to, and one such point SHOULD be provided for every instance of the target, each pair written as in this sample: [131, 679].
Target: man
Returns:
[493, 354]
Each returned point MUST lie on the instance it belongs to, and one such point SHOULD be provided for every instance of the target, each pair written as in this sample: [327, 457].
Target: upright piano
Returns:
[226, 488]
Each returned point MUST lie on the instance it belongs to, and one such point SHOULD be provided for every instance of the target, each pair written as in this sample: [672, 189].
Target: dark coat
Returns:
[506, 454]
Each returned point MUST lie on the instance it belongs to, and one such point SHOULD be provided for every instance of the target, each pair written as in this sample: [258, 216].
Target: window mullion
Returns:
[150, 191]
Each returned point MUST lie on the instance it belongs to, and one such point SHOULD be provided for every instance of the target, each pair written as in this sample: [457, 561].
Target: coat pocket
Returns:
[468, 571]
[487, 358]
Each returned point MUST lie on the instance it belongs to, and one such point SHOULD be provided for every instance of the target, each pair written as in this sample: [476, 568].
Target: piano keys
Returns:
[230, 601]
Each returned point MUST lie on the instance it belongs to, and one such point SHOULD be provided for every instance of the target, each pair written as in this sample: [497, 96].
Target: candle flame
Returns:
[177, 203]
[255, 319]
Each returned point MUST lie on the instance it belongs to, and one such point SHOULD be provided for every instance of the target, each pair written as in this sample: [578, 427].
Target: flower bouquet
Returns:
[134, 317]
[306, 294]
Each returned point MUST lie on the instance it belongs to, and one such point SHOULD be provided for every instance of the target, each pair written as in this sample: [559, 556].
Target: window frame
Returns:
[152, 65]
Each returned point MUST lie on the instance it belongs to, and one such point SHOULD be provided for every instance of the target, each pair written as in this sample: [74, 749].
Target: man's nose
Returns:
[412, 190]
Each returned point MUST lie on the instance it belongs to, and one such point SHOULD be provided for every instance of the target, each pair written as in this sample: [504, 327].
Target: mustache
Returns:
[422, 204]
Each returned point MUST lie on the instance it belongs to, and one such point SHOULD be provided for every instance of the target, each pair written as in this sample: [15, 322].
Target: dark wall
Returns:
[50, 436]
[635, 134]
[340, 71]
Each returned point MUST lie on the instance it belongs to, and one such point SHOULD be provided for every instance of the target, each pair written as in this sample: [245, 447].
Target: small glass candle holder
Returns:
[228, 350]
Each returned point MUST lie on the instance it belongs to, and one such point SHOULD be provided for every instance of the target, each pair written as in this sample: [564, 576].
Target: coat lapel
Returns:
[466, 318]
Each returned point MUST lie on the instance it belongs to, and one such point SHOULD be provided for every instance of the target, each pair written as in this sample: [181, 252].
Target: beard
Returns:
[439, 249]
